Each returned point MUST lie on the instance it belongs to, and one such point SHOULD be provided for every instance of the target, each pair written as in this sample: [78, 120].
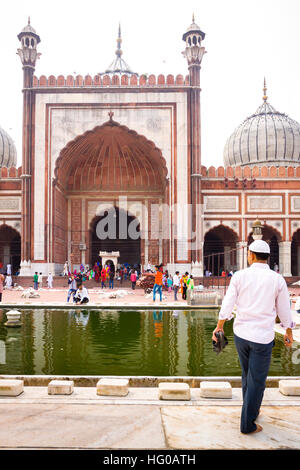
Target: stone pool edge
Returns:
[138, 381]
[65, 306]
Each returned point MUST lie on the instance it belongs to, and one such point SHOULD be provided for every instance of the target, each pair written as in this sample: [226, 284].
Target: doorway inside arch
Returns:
[10, 248]
[220, 250]
[116, 230]
[272, 237]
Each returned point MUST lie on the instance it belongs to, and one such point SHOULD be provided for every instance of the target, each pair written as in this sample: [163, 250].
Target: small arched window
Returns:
[27, 42]
[32, 42]
[195, 40]
[190, 42]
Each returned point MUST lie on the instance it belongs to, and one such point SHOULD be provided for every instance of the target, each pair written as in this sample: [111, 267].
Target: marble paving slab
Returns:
[219, 428]
[80, 427]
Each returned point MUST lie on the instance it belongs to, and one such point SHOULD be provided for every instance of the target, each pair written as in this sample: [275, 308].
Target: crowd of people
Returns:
[105, 275]
[177, 283]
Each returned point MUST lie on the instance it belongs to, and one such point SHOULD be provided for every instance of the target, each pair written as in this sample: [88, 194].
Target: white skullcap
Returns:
[259, 246]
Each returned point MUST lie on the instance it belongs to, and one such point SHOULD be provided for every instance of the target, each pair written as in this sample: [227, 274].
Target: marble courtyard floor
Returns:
[84, 420]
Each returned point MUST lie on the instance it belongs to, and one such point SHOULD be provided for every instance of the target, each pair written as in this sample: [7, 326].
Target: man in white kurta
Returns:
[259, 294]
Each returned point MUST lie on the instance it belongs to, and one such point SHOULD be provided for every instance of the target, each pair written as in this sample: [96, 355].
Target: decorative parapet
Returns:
[10, 172]
[146, 81]
[247, 172]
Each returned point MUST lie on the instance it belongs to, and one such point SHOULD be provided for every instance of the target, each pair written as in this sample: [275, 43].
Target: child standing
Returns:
[170, 283]
[133, 279]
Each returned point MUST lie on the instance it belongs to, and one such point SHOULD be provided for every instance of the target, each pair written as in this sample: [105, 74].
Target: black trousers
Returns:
[78, 299]
[255, 361]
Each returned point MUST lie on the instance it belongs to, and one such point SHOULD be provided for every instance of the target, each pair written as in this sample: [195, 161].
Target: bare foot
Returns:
[258, 429]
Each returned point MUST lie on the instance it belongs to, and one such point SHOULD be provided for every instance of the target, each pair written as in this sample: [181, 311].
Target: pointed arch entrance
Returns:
[101, 166]
[10, 247]
[220, 250]
[273, 238]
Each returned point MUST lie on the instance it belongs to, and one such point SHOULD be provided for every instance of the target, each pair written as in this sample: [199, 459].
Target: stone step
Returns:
[215, 390]
[289, 387]
[60, 387]
[174, 391]
[113, 387]
[11, 388]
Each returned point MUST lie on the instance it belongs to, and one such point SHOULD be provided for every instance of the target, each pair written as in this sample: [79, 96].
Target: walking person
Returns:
[133, 279]
[184, 285]
[190, 283]
[50, 281]
[36, 281]
[111, 279]
[176, 284]
[259, 294]
[40, 280]
[170, 283]
[66, 269]
[158, 283]
[103, 277]
[72, 287]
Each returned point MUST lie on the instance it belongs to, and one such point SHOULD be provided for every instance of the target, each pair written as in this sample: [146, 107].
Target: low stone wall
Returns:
[202, 297]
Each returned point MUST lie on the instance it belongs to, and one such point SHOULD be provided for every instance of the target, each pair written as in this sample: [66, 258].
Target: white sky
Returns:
[245, 41]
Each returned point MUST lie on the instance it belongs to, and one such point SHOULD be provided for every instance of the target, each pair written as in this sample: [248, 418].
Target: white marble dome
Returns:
[267, 138]
[8, 153]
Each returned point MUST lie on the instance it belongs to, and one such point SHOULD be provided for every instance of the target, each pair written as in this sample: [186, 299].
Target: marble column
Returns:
[285, 258]
[241, 255]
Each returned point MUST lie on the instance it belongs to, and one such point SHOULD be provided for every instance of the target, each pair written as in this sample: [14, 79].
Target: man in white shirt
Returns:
[176, 284]
[259, 294]
[81, 296]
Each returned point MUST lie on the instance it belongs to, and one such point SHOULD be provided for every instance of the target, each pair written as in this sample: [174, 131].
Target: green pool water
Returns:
[106, 342]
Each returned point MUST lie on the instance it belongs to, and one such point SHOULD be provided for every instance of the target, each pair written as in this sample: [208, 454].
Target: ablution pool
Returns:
[118, 342]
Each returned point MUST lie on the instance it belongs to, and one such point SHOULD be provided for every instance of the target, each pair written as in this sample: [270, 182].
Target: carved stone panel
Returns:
[221, 204]
[264, 203]
[10, 204]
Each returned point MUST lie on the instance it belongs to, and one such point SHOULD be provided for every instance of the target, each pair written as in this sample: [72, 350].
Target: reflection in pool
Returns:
[115, 342]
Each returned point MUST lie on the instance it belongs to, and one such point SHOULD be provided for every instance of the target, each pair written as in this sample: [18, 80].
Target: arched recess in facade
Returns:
[10, 247]
[117, 223]
[99, 167]
[295, 254]
[273, 238]
[220, 252]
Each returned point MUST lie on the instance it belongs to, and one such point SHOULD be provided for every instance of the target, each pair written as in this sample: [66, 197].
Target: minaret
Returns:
[194, 53]
[28, 55]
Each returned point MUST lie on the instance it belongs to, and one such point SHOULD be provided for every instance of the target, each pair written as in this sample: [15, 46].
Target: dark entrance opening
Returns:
[123, 236]
[10, 248]
[220, 250]
[271, 236]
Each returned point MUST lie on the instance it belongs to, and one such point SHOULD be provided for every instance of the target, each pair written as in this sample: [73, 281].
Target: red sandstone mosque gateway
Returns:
[133, 142]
